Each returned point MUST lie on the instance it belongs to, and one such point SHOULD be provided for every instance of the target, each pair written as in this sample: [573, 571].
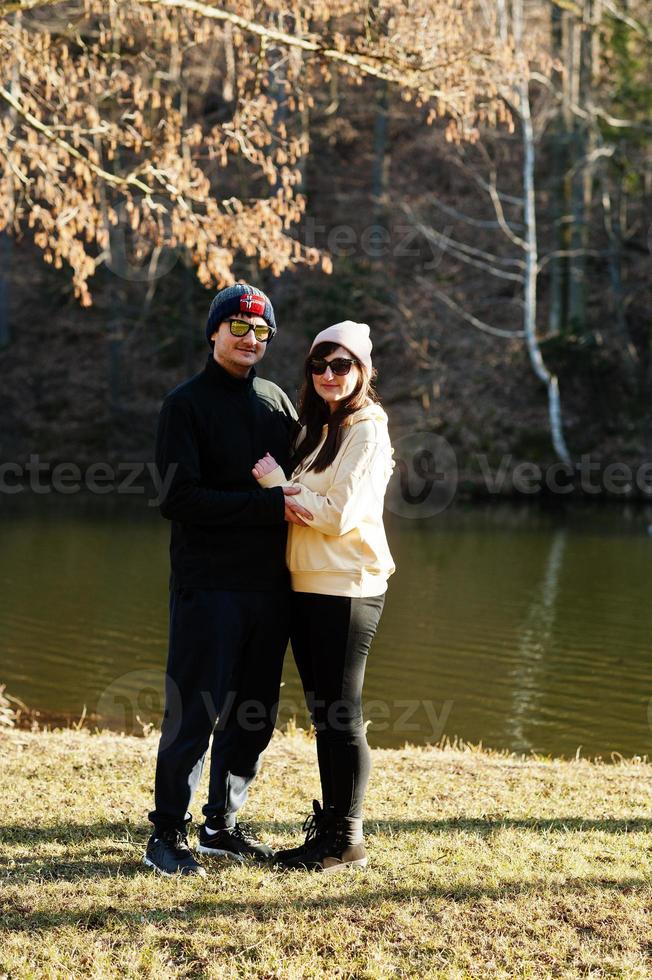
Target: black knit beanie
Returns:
[240, 298]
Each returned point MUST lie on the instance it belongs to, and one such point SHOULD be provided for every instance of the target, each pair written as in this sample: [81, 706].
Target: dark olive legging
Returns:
[331, 636]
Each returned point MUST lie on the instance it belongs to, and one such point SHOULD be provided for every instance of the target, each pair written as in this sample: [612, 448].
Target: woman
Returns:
[339, 563]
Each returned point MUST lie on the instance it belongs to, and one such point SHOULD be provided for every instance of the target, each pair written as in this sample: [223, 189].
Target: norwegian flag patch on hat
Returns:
[252, 303]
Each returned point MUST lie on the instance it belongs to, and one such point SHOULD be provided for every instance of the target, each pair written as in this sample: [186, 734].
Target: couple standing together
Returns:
[254, 494]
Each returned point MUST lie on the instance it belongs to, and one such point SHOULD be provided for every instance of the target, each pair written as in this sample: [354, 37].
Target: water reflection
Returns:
[512, 627]
[536, 637]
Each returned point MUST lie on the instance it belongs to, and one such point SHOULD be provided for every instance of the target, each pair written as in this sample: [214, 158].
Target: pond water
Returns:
[515, 627]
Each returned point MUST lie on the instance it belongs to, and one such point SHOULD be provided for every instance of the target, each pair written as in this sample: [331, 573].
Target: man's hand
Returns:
[264, 466]
[295, 512]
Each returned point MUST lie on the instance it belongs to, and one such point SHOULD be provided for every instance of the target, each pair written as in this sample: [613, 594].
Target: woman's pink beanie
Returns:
[354, 336]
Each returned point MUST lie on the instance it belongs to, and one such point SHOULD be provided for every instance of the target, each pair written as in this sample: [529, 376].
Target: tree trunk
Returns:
[228, 84]
[531, 250]
[581, 170]
[116, 338]
[115, 325]
[6, 241]
[611, 212]
[379, 169]
[6, 249]
[558, 290]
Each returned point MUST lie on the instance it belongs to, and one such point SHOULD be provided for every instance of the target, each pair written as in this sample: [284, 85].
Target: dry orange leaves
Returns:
[183, 125]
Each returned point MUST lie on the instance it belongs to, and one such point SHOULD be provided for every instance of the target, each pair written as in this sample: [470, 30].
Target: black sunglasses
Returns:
[339, 365]
[240, 328]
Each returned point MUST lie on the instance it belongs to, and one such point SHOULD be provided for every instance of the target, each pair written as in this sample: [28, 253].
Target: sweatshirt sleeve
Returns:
[276, 478]
[183, 498]
[361, 470]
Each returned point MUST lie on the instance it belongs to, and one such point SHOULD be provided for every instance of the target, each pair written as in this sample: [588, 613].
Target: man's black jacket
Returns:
[227, 533]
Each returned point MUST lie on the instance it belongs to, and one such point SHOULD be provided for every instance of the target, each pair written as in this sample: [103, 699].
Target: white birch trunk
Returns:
[532, 256]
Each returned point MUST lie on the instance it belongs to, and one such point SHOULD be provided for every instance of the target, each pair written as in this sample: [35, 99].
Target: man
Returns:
[229, 586]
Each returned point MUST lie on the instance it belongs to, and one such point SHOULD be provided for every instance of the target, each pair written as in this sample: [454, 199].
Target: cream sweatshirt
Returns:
[344, 550]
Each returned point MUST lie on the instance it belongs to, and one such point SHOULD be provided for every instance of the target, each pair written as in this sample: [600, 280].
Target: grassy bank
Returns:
[481, 866]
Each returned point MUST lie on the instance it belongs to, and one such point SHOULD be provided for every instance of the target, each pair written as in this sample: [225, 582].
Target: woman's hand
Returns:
[264, 466]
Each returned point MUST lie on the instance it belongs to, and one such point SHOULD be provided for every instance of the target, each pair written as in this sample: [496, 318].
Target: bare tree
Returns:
[103, 134]
[529, 243]
[560, 98]
[522, 265]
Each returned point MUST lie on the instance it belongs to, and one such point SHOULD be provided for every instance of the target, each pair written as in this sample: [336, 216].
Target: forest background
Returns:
[472, 179]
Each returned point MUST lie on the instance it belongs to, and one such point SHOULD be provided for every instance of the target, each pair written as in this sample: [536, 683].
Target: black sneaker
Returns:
[327, 852]
[168, 854]
[239, 843]
[316, 825]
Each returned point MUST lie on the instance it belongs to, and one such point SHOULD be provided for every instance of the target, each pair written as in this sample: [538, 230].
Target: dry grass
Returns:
[482, 866]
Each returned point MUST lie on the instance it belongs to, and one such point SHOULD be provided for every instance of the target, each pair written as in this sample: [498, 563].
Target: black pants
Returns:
[331, 636]
[225, 660]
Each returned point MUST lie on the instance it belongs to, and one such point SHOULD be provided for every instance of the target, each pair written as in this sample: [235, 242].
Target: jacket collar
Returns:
[217, 375]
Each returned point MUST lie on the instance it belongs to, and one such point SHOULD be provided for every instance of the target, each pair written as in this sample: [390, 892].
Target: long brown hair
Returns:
[314, 413]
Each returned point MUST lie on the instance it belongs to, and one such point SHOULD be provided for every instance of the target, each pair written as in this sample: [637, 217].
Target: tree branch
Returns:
[626, 19]
[570, 254]
[8, 7]
[454, 213]
[474, 321]
[329, 54]
[500, 215]
[575, 8]
[507, 198]
[466, 253]
[588, 159]
[129, 181]
[492, 190]
[457, 251]
[591, 111]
